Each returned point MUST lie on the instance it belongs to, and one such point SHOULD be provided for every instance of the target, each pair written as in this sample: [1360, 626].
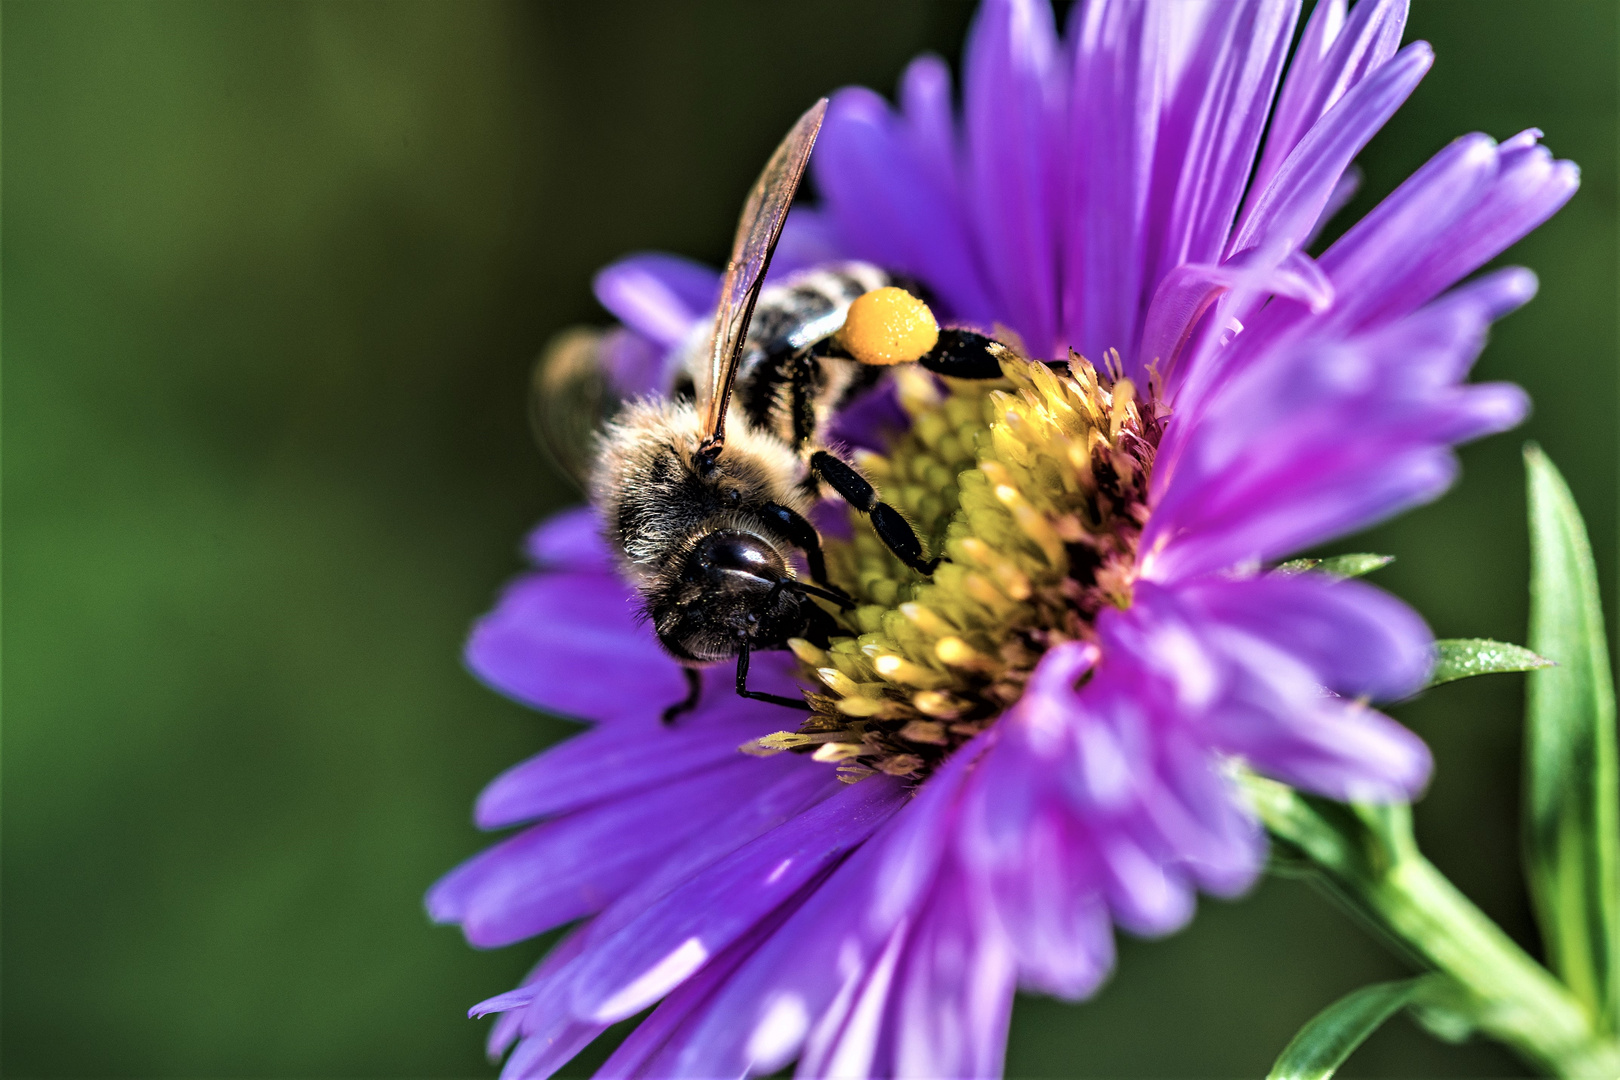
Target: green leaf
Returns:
[1572, 836]
[1461, 658]
[1332, 1034]
[1337, 565]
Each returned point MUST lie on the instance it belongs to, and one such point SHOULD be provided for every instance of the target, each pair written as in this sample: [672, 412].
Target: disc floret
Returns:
[1034, 487]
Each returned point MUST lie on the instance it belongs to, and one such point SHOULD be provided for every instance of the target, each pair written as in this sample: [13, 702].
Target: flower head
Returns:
[1005, 761]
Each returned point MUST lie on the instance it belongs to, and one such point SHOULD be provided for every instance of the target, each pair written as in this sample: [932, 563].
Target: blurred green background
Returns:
[273, 277]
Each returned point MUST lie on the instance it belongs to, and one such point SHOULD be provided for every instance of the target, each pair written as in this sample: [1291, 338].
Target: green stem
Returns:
[1368, 858]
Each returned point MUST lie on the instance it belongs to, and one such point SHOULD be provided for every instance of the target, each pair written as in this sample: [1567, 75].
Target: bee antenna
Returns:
[844, 603]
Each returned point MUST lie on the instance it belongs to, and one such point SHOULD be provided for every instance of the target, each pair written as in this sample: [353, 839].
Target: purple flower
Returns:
[1109, 192]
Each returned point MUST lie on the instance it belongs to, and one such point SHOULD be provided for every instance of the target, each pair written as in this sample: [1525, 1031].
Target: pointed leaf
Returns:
[1572, 840]
[1338, 565]
[1461, 658]
[1332, 1034]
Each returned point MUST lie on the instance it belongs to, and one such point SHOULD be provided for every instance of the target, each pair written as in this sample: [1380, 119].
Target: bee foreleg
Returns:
[694, 688]
[962, 354]
[803, 535]
[895, 532]
[760, 695]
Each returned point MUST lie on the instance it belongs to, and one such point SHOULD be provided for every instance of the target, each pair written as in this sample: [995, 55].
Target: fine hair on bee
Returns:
[704, 495]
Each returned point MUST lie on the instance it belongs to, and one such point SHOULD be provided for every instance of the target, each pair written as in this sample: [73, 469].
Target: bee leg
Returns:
[962, 354]
[821, 628]
[896, 534]
[694, 687]
[760, 695]
[804, 536]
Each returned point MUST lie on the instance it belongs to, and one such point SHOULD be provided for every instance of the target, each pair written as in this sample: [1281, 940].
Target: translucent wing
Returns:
[757, 232]
[570, 396]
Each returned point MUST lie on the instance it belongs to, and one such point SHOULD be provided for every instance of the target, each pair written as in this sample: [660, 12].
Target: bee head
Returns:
[732, 588]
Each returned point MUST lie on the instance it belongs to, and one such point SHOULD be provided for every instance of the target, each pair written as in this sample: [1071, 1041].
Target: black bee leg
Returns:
[822, 627]
[694, 687]
[891, 528]
[804, 536]
[760, 695]
[962, 354]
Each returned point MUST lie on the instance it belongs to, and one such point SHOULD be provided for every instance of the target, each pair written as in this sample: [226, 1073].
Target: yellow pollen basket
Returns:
[888, 326]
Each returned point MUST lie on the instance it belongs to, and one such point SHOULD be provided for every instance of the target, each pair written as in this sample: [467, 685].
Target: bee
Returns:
[706, 516]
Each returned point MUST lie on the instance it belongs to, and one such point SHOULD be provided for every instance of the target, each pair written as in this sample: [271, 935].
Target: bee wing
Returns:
[570, 397]
[758, 230]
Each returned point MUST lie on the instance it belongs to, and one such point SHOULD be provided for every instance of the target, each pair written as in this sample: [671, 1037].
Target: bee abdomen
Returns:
[809, 306]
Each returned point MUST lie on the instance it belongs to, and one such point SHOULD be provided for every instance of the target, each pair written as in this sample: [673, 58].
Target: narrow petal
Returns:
[576, 865]
[808, 239]
[676, 935]
[569, 540]
[1468, 204]
[1358, 640]
[608, 761]
[1314, 440]
[805, 982]
[658, 295]
[1334, 54]
[635, 364]
[1268, 704]
[1207, 144]
[1297, 192]
[953, 991]
[1189, 292]
[1120, 55]
[1014, 101]
[653, 1048]
[925, 103]
[891, 208]
[570, 643]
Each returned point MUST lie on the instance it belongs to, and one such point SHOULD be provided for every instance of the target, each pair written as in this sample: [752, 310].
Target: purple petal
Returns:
[848, 1038]
[1120, 56]
[1530, 187]
[636, 365]
[809, 973]
[1149, 896]
[1014, 101]
[1048, 898]
[808, 239]
[890, 207]
[676, 935]
[1334, 54]
[1265, 702]
[1212, 129]
[925, 103]
[1293, 200]
[659, 296]
[570, 643]
[1187, 293]
[570, 540]
[576, 865]
[1465, 206]
[1357, 639]
[953, 991]
[609, 761]
[1316, 439]
[652, 1049]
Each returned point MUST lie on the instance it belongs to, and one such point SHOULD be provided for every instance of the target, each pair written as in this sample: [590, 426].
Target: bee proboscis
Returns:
[705, 517]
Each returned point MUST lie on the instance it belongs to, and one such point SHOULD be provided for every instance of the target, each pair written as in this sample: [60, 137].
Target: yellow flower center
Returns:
[1034, 487]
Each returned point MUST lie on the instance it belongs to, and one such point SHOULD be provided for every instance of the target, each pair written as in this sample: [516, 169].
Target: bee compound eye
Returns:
[738, 553]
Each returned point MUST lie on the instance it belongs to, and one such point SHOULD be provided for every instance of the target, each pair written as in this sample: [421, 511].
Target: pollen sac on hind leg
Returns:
[888, 326]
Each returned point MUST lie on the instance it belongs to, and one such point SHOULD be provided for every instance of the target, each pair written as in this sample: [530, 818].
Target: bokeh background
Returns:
[274, 274]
